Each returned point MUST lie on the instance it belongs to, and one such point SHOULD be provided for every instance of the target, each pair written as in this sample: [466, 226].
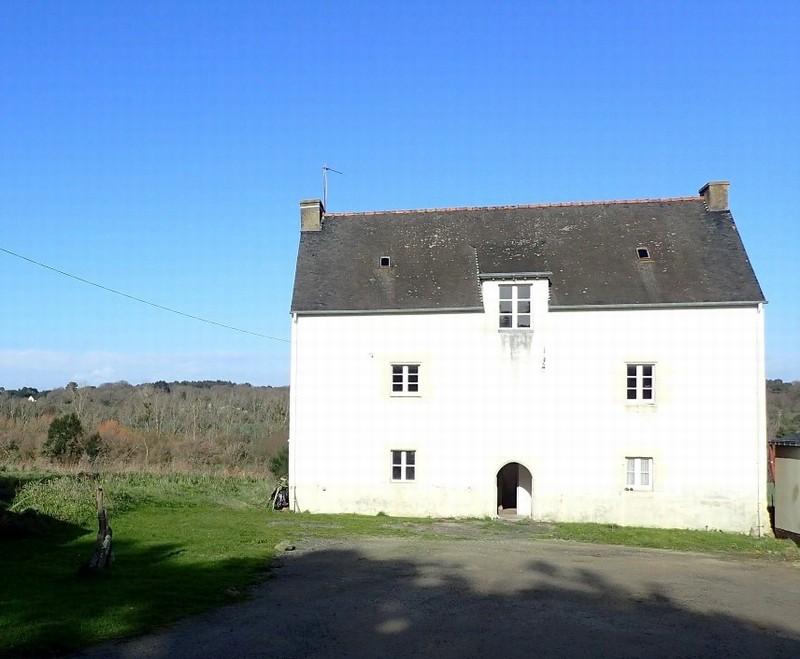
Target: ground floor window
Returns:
[639, 474]
[404, 465]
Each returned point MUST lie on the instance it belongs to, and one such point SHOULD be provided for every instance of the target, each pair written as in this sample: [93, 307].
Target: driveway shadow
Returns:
[345, 603]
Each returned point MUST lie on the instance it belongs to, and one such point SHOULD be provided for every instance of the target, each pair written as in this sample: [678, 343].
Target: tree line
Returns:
[783, 408]
[185, 425]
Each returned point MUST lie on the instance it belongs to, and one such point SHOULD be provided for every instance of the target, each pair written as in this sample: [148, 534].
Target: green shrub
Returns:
[93, 446]
[64, 438]
[279, 463]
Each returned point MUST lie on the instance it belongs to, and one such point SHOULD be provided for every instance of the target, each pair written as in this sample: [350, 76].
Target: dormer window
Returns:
[515, 306]
[385, 262]
[643, 253]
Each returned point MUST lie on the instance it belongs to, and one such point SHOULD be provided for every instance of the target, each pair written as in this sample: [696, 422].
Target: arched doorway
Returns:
[514, 491]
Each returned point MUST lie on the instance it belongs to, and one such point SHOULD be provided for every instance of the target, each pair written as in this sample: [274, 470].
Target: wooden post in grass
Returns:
[103, 555]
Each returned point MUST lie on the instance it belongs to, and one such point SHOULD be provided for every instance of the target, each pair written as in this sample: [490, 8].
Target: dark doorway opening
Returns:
[507, 483]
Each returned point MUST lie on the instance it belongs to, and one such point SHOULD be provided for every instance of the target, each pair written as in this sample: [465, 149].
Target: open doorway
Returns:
[514, 491]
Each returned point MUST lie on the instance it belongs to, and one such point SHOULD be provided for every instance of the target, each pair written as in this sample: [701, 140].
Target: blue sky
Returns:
[161, 148]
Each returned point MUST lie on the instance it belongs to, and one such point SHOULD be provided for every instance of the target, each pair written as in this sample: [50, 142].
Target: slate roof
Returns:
[789, 440]
[438, 256]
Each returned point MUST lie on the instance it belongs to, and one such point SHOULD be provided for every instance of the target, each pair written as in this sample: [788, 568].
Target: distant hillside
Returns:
[783, 408]
[194, 425]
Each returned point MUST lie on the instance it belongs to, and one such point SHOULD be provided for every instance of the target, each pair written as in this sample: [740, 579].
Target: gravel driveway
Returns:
[496, 598]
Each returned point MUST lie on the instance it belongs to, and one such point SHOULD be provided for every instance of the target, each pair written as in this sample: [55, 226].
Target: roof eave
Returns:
[364, 312]
[555, 307]
[655, 305]
[515, 275]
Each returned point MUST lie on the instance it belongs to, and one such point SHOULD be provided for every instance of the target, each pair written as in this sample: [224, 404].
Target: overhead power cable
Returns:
[138, 299]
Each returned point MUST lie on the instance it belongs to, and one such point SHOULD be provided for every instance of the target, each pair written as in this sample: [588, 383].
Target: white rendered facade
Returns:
[552, 398]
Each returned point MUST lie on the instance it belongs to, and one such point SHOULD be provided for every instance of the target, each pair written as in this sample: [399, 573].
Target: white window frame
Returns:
[400, 461]
[406, 378]
[640, 383]
[515, 301]
[638, 474]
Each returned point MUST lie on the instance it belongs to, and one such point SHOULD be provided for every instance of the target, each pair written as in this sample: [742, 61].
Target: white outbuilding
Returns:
[590, 361]
[785, 454]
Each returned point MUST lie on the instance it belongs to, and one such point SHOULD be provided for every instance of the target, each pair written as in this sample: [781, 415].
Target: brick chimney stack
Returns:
[311, 212]
[715, 194]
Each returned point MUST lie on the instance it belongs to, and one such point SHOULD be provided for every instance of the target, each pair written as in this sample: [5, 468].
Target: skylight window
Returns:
[385, 261]
[643, 253]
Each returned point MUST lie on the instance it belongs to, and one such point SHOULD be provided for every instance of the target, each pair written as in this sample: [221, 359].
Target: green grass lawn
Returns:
[182, 544]
[187, 543]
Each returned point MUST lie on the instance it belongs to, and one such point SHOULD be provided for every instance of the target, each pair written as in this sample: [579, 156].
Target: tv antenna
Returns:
[325, 170]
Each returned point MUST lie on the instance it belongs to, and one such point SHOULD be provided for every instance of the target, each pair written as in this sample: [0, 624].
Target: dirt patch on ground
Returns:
[472, 529]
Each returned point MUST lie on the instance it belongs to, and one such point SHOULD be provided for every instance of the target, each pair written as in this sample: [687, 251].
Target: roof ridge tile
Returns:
[556, 204]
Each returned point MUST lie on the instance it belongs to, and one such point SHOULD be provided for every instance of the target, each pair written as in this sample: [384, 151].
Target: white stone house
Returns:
[592, 361]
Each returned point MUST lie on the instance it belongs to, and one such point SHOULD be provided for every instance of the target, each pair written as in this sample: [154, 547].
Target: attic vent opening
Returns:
[385, 262]
[643, 253]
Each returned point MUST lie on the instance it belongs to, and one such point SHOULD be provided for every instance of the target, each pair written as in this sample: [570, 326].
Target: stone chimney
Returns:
[715, 194]
[311, 212]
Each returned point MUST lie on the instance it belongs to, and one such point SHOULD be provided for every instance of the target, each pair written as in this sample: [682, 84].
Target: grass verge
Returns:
[680, 540]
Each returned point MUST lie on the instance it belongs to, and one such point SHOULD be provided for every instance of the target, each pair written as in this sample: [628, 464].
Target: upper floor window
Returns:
[639, 474]
[405, 379]
[640, 382]
[515, 306]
